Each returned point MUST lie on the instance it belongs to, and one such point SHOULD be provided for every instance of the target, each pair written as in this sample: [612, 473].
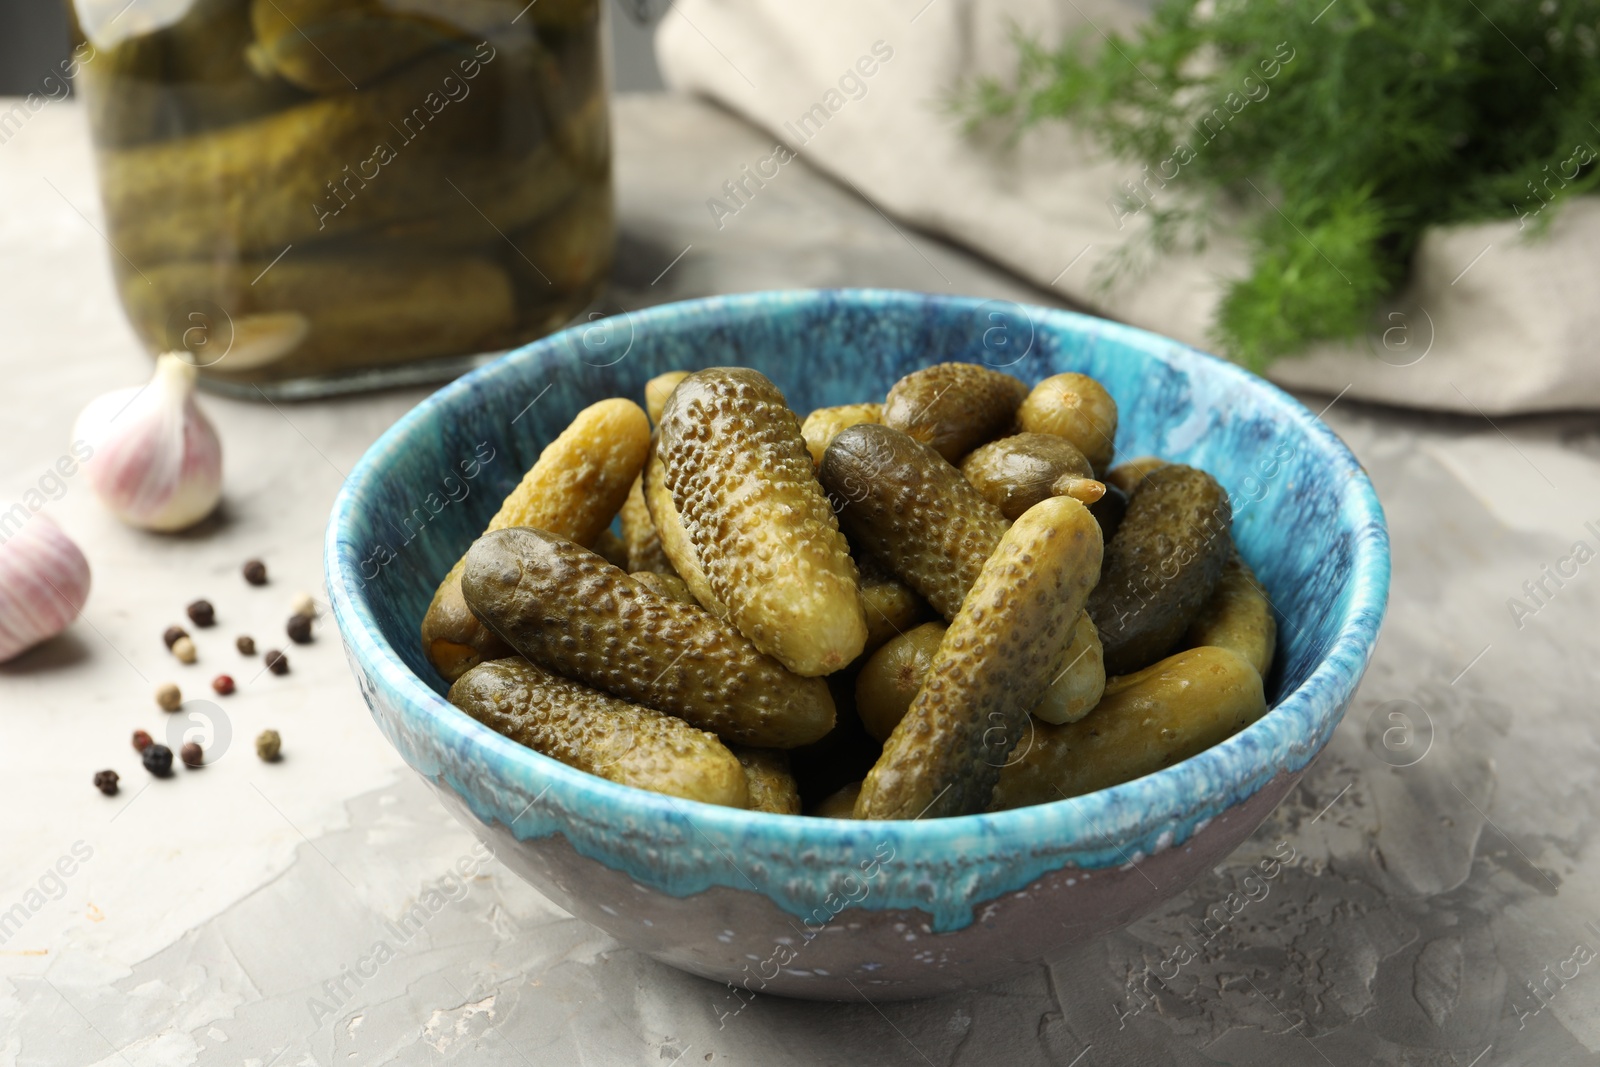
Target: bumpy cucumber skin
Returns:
[1016, 472]
[1162, 566]
[658, 389]
[954, 407]
[995, 662]
[744, 487]
[1076, 407]
[891, 677]
[665, 585]
[598, 733]
[569, 611]
[771, 784]
[892, 607]
[902, 504]
[675, 543]
[1171, 710]
[1238, 617]
[640, 538]
[573, 491]
[824, 424]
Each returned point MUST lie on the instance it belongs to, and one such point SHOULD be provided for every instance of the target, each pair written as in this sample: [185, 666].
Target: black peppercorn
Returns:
[245, 645]
[201, 613]
[255, 572]
[277, 662]
[158, 760]
[172, 634]
[106, 782]
[299, 629]
[191, 755]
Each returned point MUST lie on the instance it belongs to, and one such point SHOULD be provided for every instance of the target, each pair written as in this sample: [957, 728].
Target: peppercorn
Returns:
[191, 755]
[299, 629]
[184, 649]
[141, 740]
[245, 645]
[169, 697]
[106, 782]
[158, 760]
[223, 684]
[255, 572]
[172, 634]
[202, 614]
[277, 662]
[303, 604]
[269, 745]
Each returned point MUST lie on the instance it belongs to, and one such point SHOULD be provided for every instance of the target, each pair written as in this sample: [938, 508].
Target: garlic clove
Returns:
[157, 461]
[44, 583]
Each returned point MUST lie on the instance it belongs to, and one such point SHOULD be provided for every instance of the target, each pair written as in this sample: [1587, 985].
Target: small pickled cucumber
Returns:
[1238, 617]
[770, 783]
[675, 543]
[838, 805]
[1128, 475]
[954, 407]
[904, 505]
[1016, 472]
[609, 547]
[665, 585]
[1167, 712]
[640, 537]
[573, 491]
[892, 607]
[658, 389]
[742, 481]
[1076, 407]
[1077, 686]
[569, 611]
[598, 733]
[994, 664]
[890, 678]
[824, 424]
[333, 45]
[570, 249]
[1162, 566]
[1110, 509]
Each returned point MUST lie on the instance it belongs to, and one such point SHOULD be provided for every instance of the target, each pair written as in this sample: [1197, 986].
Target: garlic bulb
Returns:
[44, 581]
[157, 461]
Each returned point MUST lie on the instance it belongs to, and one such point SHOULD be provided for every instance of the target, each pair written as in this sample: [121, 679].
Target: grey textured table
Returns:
[1438, 904]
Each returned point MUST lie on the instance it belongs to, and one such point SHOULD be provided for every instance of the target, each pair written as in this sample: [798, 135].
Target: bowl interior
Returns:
[435, 484]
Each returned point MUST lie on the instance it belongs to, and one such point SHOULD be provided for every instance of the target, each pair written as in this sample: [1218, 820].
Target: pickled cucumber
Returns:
[994, 664]
[1076, 407]
[824, 424]
[609, 547]
[569, 611]
[597, 733]
[1110, 509]
[1238, 617]
[575, 488]
[639, 534]
[1129, 475]
[1162, 566]
[767, 777]
[675, 543]
[1015, 473]
[892, 607]
[333, 45]
[1167, 712]
[838, 805]
[1078, 684]
[743, 485]
[902, 504]
[891, 677]
[669, 586]
[658, 389]
[954, 407]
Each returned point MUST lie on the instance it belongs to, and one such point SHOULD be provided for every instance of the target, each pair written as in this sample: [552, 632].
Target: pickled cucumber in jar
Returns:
[348, 184]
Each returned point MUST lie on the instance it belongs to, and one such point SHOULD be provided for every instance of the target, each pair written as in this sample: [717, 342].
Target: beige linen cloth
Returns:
[1491, 322]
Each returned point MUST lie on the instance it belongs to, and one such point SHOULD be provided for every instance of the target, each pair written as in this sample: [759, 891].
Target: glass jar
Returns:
[313, 196]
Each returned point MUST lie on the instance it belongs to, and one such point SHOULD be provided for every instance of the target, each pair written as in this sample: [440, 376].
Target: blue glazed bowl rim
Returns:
[1163, 808]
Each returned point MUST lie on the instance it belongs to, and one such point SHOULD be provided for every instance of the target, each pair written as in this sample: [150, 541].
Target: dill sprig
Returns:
[1341, 131]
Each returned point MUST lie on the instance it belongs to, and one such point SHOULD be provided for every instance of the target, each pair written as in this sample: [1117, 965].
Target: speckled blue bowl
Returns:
[830, 908]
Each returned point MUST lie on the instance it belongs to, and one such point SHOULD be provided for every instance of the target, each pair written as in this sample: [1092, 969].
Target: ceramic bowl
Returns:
[825, 908]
